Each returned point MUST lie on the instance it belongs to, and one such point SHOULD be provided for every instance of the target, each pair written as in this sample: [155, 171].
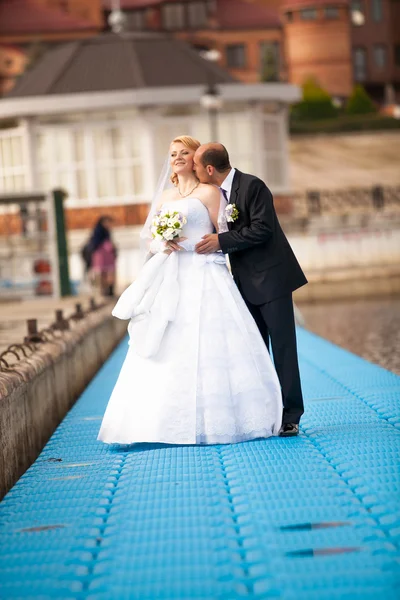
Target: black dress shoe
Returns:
[289, 430]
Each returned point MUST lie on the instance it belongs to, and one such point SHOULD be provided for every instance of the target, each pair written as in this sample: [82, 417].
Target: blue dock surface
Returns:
[312, 517]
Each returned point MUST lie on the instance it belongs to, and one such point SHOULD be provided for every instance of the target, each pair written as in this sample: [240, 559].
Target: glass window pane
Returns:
[6, 154]
[360, 64]
[134, 135]
[136, 20]
[63, 146]
[173, 16]
[308, 14]
[272, 137]
[244, 140]
[43, 141]
[275, 171]
[45, 181]
[105, 185]
[9, 183]
[81, 184]
[236, 56]
[331, 12]
[63, 180]
[269, 61]
[120, 142]
[17, 156]
[79, 145]
[377, 12]
[197, 12]
[102, 144]
[380, 56]
[138, 187]
[225, 131]
[123, 181]
[19, 183]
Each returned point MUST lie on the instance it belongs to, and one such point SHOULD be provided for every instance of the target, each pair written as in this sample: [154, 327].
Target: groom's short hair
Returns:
[216, 157]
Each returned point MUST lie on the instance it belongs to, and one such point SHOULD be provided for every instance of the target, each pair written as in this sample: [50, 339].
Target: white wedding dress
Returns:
[197, 370]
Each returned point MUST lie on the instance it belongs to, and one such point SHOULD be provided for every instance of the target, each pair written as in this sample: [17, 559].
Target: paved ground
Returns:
[311, 518]
[344, 160]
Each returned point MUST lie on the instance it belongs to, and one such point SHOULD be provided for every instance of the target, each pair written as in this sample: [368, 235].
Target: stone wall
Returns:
[37, 392]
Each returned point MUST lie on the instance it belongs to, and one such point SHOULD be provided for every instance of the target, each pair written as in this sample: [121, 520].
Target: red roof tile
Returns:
[24, 16]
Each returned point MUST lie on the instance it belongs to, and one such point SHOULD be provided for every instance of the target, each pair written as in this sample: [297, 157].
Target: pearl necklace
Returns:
[188, 194]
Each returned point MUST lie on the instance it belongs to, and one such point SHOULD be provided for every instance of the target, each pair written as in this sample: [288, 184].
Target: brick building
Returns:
[29, 27]
[337, 41]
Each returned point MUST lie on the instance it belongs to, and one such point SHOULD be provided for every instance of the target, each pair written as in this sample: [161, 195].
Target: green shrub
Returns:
[316, 103]
[359, 103]
[345, 123]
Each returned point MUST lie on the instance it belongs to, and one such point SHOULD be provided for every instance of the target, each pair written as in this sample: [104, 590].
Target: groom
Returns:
[264, 267]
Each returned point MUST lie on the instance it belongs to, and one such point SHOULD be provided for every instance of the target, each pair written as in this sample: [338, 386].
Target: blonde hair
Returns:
[190, 143]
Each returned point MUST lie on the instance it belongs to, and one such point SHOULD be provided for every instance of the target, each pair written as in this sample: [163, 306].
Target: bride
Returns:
[197, 370]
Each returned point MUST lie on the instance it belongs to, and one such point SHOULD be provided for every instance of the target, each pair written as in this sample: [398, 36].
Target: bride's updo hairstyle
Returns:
[190, 143]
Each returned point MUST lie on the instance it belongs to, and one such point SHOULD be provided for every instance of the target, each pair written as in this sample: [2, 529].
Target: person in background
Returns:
[103, 255]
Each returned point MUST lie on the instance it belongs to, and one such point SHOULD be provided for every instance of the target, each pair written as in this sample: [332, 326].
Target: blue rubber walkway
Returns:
[314, 517]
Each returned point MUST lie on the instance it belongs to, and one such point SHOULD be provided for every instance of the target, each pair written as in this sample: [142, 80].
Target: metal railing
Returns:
[34, 338]
[345, 201]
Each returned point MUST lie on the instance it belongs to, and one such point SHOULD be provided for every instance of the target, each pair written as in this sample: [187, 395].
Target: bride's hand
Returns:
[173, 245]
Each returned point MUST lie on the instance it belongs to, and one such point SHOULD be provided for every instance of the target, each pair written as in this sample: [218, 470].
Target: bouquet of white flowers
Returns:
[167, 225]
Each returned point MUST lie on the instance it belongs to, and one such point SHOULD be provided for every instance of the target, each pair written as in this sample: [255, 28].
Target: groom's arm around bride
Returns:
[263, 264]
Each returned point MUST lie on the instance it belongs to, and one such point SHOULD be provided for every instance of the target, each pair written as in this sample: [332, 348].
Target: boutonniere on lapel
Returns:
[231, 213]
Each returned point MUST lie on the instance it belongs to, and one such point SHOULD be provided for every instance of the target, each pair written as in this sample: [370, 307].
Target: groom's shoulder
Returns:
[247, 179]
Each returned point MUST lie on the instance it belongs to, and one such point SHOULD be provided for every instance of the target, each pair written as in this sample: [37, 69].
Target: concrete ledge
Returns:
[37, 392]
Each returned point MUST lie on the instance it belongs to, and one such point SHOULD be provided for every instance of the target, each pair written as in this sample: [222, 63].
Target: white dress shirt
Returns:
[227, 183]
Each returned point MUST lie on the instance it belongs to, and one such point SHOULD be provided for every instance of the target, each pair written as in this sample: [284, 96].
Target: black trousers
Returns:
[275, 320]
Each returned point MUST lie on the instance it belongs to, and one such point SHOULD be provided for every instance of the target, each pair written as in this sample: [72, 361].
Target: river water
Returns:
[369, 328]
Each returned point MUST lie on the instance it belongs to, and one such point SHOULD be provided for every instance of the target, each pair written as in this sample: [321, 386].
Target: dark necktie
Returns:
[225, 194]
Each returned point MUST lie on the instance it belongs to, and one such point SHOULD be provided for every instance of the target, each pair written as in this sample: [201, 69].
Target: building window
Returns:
[95, 164]
[173, 16]
[331, 12]
[274, 157]
[269, 61]
[377, 10]
[197, 15]
[380, 56]
[308, 14]
[236, 56]
[397, 55]
[360, 64]
[136, 20]
[13, 169]
[357, 13]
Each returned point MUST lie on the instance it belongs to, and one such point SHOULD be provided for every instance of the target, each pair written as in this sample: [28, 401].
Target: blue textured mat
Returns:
[314, 517]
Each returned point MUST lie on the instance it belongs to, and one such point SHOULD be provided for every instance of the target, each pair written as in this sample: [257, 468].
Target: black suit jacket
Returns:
[263, 263]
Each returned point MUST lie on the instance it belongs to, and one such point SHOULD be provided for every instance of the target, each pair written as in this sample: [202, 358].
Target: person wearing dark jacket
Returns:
[263, 266]
[100, 254]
